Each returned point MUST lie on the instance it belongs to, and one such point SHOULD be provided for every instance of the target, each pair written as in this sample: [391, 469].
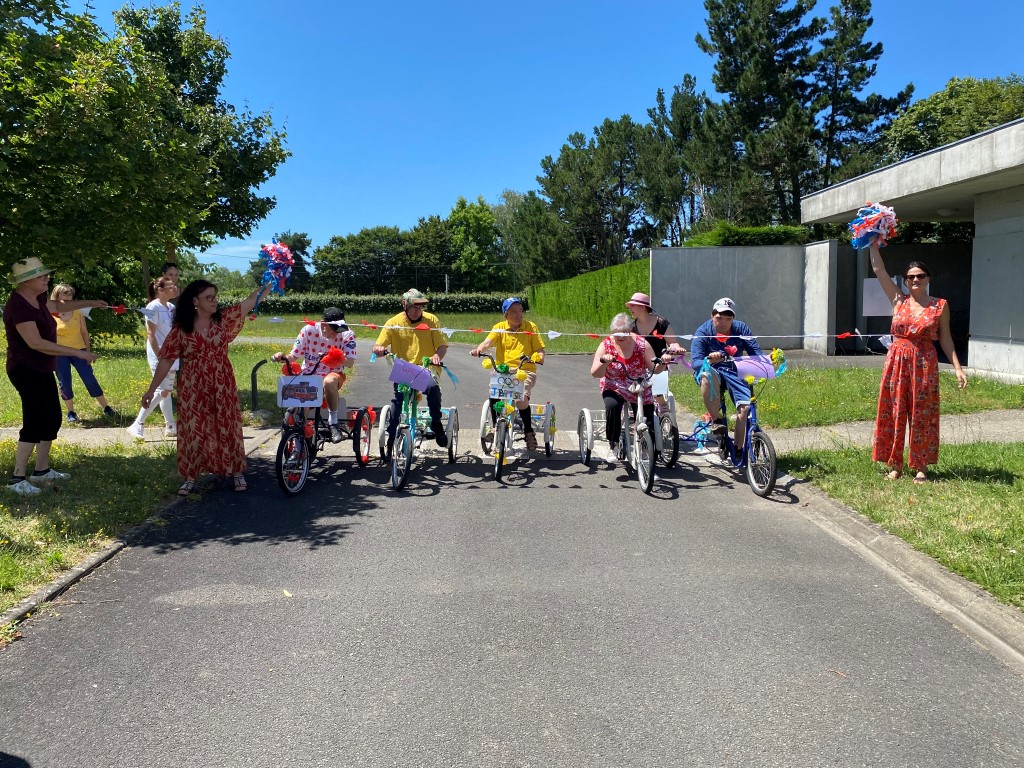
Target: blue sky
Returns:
[393, 110]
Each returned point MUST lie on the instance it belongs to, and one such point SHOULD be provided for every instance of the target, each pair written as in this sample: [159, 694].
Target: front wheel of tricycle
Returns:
[761, 463]
[292, 465]
[361, 437]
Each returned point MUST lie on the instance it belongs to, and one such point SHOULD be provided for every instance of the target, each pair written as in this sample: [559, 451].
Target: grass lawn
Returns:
[806, 397]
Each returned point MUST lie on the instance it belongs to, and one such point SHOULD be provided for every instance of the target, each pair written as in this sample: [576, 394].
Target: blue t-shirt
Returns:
[705, 341]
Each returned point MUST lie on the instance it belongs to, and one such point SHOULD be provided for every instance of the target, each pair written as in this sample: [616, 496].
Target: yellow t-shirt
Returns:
[69, 334]
[410, 344]
[509, 347]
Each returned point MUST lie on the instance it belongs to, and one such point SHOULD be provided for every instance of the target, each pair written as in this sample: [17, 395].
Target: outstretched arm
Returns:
[878, 266]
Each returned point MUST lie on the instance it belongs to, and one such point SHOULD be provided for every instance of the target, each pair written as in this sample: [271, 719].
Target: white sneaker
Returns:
[49, 476]
[135, 430]
[610, 454]
[24, 488]
[171, 430]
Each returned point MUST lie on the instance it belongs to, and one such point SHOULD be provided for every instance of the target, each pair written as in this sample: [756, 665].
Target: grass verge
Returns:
[807, 397]
[111, 488]
[970, 517]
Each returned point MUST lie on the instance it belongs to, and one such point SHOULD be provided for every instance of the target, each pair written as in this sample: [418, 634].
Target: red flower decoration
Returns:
[119, 309]
[333, 358]
[731, 349]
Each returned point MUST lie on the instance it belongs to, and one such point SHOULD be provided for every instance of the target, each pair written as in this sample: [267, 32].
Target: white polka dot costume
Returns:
[312, 345]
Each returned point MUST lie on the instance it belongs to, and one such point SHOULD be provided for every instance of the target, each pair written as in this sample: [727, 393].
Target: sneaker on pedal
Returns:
[719, 427]
[611, 453]
[336, 434]
[438, 429]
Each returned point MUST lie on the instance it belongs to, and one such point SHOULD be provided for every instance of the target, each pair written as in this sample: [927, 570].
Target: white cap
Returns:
[724, 304]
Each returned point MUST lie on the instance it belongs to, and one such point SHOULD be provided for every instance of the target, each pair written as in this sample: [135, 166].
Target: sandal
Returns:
[920, 478]
[240, 485]
[894, 475]
[186, 488]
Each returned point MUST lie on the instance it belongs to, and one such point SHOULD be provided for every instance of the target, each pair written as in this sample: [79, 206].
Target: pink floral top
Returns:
[616, 375]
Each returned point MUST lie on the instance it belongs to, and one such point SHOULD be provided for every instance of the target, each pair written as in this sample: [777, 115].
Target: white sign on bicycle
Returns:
[505, 386]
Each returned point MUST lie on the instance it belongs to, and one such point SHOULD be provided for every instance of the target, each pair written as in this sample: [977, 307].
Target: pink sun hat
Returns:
[641, 299]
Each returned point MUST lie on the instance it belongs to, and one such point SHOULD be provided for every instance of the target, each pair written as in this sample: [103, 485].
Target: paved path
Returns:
[559, 618]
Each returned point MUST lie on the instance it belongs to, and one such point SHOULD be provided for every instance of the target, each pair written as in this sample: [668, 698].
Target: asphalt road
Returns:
[561, 618]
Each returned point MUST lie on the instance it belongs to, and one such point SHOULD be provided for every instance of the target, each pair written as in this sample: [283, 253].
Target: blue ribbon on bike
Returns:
[452, 376]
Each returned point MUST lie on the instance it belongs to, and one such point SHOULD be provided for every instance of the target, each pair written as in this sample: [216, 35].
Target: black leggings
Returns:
[613, 403]
[40, 404]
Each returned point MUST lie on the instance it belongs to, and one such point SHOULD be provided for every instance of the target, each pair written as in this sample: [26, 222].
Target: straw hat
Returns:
[26, 269]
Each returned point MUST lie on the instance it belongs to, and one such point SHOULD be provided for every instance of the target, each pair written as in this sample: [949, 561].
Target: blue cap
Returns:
[507, 303]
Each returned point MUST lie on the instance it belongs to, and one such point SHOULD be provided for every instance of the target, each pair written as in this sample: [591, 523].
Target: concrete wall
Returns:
[820, 283]
[767, 284]
[997, 295]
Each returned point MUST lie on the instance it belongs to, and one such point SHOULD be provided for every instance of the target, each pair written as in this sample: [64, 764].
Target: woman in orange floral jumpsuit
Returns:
[909, 394]
[209, 419]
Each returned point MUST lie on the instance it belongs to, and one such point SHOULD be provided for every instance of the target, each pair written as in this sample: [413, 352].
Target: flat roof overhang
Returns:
[939, 185]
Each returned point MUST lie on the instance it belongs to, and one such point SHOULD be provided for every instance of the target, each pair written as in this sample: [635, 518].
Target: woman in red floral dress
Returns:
[209, 418]
[909, 394]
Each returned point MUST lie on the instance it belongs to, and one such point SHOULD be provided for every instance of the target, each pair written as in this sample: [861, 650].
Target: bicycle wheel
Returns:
[669, 440]
[585, 432]
[643, 457]
[361, 437]
[500, 434]
[486, 430]
[382, 430]
[761, 463]
[401, 458]
[453, 435]
[292, 465]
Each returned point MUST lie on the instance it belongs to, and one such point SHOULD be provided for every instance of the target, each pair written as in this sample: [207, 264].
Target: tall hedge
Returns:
[595, 295]
[314, 303]
[726, 234]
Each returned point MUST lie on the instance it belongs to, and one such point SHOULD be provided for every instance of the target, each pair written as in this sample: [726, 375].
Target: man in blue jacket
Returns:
[718, 340]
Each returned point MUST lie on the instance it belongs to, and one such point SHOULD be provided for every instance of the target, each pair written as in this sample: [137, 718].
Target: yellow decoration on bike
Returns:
[521, 375]
[486, 363]
[750, 380]
[535, 357]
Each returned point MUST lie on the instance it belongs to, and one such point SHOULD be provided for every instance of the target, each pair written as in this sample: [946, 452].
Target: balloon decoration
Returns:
[874, 223]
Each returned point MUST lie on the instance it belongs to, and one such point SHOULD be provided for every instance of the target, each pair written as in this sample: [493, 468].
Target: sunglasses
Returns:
[918, 276]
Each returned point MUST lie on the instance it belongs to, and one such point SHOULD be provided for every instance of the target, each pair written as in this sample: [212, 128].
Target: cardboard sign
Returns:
[416, 376]
[300, 391]
[505, 386]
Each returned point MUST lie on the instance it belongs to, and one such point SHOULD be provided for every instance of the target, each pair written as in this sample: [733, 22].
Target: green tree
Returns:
[535, 242]
[666, 188]
[241, 150]
[90, 172]
[429, 254]
[966, 106]
[371, 261]
[474, 239]
[764, 66]
[850, 125]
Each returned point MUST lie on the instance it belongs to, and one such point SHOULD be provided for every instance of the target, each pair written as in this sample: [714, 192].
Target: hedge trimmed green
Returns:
[725, 233]
[596, 296]
[314, 303]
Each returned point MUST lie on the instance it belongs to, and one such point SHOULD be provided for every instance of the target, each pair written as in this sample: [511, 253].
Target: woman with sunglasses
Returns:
[909, 394]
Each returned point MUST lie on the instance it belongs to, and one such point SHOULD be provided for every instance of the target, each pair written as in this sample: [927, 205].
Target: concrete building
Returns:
[979, 179]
